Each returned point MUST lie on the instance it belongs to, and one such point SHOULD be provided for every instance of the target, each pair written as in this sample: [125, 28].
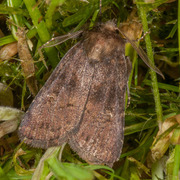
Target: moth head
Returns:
[110, 26]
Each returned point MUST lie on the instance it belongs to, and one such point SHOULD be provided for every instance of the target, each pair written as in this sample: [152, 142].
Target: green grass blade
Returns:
[143, 15]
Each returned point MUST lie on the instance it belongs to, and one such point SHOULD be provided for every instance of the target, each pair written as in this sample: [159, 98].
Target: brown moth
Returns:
[83, 101]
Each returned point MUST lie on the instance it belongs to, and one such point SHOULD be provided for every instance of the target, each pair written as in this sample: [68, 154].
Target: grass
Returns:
[152, 118]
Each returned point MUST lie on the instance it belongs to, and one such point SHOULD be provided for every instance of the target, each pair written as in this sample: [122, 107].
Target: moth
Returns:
[83, 101]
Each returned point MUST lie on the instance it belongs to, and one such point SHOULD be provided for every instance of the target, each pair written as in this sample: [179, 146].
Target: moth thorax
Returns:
[95, 53]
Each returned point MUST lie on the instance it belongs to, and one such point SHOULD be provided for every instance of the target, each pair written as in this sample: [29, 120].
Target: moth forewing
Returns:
[99, 138]
[58, 107]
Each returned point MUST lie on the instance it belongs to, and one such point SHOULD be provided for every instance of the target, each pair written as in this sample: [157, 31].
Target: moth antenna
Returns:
[100, 12]
[143, 55]
[60, 39]
[100, 6]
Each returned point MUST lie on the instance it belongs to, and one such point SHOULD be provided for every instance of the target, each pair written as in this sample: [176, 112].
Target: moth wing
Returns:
[99, 139]
[58, 107]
